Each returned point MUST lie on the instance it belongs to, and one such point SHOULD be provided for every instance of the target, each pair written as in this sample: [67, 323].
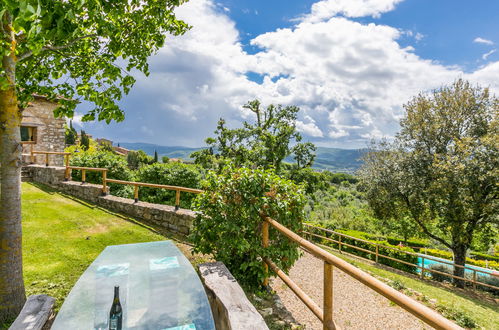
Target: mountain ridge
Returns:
[332, 159]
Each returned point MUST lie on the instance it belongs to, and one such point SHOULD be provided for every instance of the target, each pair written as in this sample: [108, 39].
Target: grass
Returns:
[62, 236]
[455, 304]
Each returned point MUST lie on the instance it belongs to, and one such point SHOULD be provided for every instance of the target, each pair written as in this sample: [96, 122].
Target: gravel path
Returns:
[355, 305]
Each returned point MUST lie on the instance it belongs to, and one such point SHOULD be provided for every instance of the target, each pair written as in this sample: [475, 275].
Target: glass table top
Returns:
[159, 290]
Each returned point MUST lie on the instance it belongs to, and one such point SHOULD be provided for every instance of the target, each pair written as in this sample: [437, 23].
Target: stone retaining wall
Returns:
[179, 221]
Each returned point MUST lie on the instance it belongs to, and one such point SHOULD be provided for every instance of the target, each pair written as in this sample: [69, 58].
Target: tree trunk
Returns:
[12, 294]
[459, 259]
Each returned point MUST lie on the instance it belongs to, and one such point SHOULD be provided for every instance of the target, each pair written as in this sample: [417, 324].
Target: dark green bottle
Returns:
[116, 313]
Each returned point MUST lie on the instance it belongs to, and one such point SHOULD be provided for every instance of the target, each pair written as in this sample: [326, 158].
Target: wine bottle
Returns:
[116, 313]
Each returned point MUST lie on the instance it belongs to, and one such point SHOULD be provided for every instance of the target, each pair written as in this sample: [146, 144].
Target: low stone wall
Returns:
[179, 221]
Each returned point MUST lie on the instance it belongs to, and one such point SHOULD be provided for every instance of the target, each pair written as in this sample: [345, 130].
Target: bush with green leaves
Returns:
[441, 268]
[229, 225]
[117, 169]
[448, 255]
[173, 174]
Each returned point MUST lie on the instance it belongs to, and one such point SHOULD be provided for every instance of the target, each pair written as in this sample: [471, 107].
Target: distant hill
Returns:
[332, 159]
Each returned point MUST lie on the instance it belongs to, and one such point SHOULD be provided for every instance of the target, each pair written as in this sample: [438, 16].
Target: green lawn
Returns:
[62, 236]
[452, 303]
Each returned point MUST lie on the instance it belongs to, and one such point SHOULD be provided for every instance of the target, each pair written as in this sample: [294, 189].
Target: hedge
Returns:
[385, 248]
[449, 256]
[484, 256]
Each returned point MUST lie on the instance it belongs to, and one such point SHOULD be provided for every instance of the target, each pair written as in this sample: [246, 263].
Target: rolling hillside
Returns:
[332, 159]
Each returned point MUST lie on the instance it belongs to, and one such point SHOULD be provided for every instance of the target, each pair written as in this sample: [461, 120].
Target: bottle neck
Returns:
[116, 292]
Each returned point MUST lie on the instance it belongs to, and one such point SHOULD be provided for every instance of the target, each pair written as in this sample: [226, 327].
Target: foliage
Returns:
[84, 41]
[441, 268]
[155, 156]
[265, 143]
[483, 256]
[229, 225]
[340, 207]
[449, 256]
[70, 134]
[137, 159]
[84, 140]
[165, 159]
[442, 168]
[106, 146]
[384, 248]
[174, 174]
[116, 165]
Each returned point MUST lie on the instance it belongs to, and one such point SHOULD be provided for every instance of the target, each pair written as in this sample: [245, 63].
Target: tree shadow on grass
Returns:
[160, 230]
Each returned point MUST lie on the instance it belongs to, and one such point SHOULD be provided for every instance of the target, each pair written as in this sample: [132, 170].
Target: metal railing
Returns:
[375, 252]
[325, 314]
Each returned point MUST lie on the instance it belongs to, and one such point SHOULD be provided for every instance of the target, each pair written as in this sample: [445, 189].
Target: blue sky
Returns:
[350, 65]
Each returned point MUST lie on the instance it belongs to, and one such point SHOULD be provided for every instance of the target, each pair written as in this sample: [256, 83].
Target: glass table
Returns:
[159, 290]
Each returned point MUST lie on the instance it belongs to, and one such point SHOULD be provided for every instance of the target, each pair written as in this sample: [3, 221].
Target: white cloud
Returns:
[479, 40]
[326, 9]
[349, 79]
[486, 55]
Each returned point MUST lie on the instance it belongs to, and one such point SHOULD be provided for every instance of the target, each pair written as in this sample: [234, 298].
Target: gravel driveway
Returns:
[355, 305]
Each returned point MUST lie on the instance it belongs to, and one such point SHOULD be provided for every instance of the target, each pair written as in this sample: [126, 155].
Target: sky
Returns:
[350, 65]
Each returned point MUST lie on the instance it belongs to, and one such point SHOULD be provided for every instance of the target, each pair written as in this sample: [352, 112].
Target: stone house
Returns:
[41, 131]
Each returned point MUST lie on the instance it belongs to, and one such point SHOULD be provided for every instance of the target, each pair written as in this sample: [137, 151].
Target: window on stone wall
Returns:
[28, 133]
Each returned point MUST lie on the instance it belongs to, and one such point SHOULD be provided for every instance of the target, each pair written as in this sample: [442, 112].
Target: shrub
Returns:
[384, 249]
[484, 256]
[229, 224]
[173, 174]
[441, 268]
[489, 280]
[449, 256]
[116, 165]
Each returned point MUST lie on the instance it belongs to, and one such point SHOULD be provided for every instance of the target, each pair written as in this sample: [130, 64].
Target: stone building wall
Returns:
[163, 216]
[48, 130]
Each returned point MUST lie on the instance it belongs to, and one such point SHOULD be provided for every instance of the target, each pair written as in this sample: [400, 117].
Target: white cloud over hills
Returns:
[349, 79]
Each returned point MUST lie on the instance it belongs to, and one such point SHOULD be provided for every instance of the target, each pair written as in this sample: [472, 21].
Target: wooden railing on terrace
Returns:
[325, 314]
[375, 252]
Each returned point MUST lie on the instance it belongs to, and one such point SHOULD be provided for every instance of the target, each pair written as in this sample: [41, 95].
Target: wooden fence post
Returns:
[83, 176]
[177, 200]
[46, 159]
[328, 323]
[265, 242]
[104, 183]
[422, 267]
[377, 253]
[474, 279]
[32, 154]
[67, 174]
[136, 193]
[339, 243]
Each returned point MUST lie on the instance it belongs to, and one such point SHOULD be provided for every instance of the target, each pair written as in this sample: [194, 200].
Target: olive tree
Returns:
[442, 169]
[74, 49]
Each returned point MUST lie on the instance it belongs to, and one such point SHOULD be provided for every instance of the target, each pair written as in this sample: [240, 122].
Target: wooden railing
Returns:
[33, 153]
[136, 186]
[84, 171]
[325, 314]
[375, 252]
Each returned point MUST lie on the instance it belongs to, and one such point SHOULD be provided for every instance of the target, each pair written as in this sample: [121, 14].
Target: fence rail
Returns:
[422, 312]
[378, 255]
[177, 189]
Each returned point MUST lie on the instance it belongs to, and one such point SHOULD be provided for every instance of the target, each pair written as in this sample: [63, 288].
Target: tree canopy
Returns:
[66, 50]
[266, 142]
[443, 167]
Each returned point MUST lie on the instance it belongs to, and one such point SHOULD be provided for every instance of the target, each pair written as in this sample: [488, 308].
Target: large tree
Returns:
[442, 170]
[74, 49]
[266, 142]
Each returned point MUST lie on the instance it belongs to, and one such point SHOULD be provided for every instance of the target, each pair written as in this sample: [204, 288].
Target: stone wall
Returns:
[49, 131]
[164, 216]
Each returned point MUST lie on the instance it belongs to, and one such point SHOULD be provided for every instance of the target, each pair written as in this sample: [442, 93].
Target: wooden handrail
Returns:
[396, 249]
[154, 185]
[95, 169]
[51, 152]
[136, 186]
[422, 312]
